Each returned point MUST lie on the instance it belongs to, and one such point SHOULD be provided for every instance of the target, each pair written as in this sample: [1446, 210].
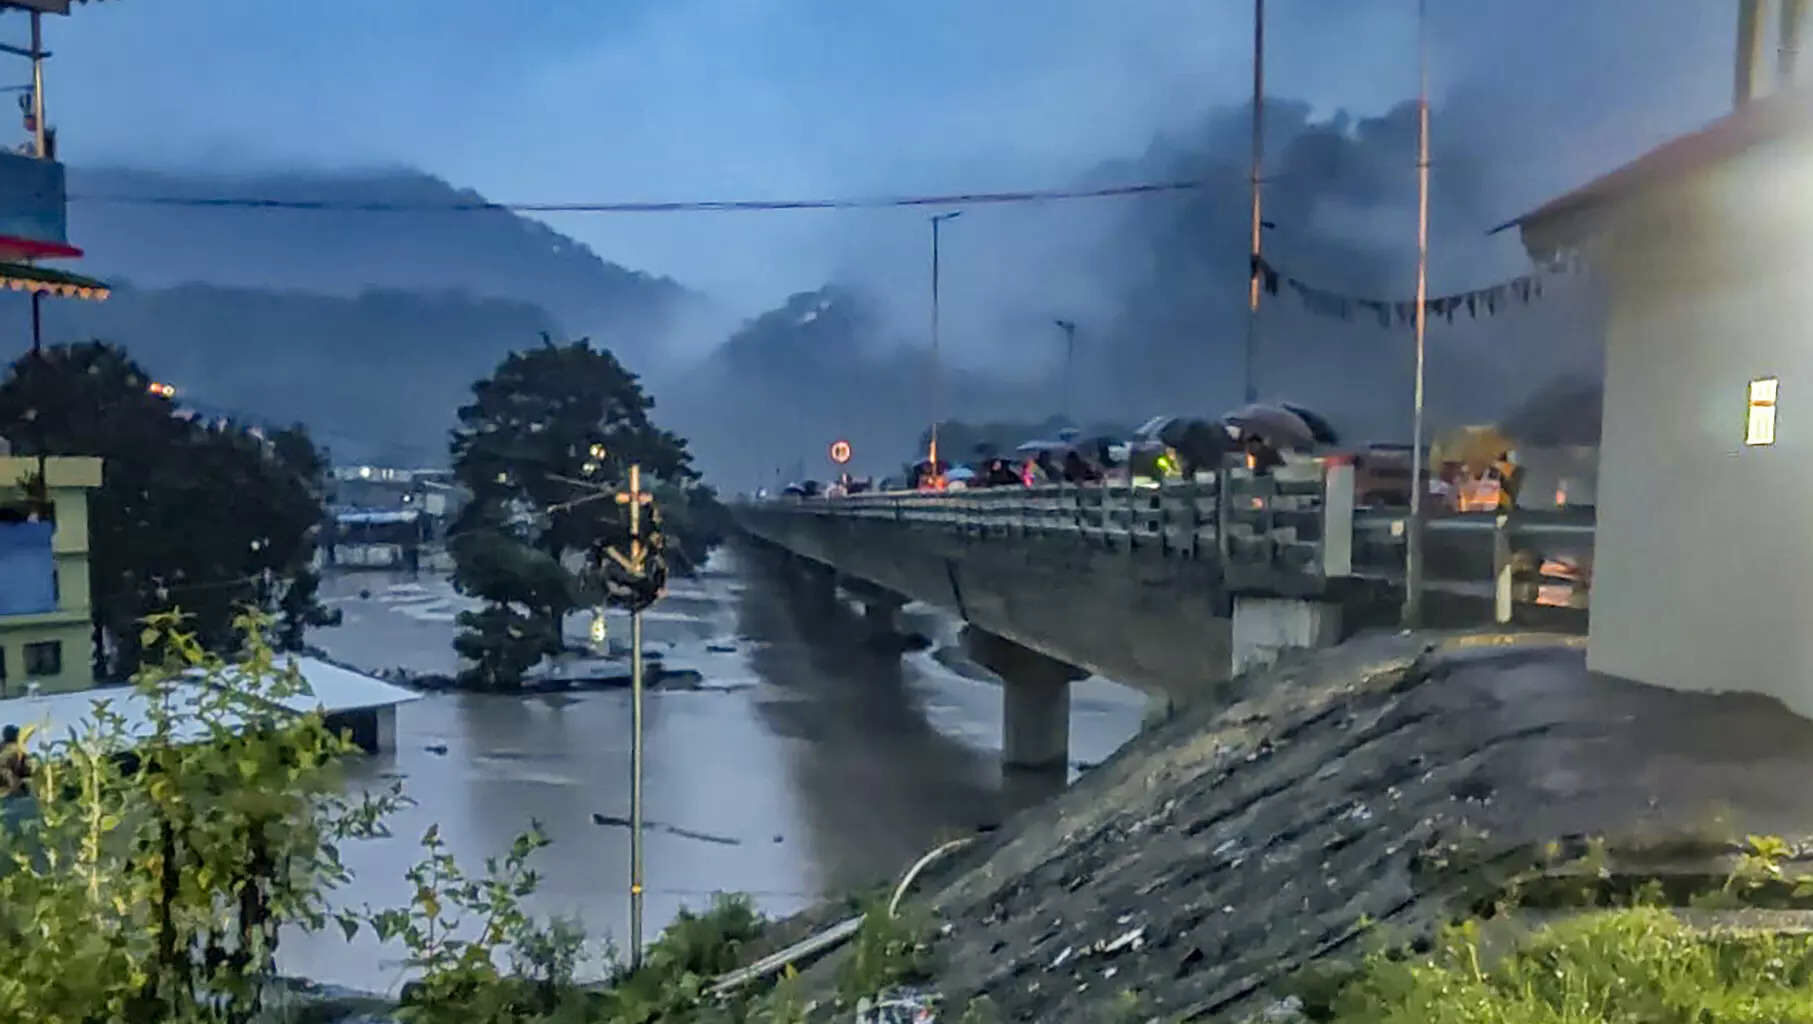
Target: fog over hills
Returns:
[370, 325]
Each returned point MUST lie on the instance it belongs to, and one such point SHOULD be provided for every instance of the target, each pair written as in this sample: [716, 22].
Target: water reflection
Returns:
[804, 762]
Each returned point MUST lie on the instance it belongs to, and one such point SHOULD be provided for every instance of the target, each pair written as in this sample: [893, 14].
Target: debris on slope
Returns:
[1366, 784]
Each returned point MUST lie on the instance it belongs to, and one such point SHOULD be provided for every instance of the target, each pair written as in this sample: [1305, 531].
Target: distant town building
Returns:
[46, 624]
[1703, 572]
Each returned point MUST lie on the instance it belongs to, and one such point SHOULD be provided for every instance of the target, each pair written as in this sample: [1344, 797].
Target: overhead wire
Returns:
[673, 206]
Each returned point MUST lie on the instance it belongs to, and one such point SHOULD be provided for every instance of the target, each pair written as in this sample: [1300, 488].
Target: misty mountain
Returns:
[825, 365]
[376, 376]
[488, 253]
[1158, 286]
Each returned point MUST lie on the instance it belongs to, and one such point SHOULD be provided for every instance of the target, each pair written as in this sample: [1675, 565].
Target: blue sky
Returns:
[637, 99]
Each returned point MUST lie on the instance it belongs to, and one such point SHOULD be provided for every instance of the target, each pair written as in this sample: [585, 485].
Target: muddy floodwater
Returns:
[802, 762]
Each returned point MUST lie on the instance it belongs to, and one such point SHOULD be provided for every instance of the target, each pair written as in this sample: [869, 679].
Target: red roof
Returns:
[12, 248]
[1763, 120]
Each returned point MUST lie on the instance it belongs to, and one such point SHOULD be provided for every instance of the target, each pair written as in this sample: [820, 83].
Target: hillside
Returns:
[494, 254]
[376, 376]
[827, 361]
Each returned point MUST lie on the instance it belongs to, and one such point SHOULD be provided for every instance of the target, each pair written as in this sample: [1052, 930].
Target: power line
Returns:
[682, 206]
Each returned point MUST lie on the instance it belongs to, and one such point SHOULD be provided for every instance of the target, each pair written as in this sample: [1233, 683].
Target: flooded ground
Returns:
[803, 763]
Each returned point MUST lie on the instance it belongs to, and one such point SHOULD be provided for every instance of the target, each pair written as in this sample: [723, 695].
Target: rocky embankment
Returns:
[1374, 784]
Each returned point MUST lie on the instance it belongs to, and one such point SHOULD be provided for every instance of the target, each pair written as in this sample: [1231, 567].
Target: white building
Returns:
[1704, 556]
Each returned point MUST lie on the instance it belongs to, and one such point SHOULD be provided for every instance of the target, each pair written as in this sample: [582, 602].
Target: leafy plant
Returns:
[886, 952]
[458, 929]
[677, 968]
[170, 847]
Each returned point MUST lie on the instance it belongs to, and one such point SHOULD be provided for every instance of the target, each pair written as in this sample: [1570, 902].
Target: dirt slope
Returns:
[1224, 850]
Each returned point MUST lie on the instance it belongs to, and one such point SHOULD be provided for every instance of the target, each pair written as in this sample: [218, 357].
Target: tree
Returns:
[207, 517]
[546, 438]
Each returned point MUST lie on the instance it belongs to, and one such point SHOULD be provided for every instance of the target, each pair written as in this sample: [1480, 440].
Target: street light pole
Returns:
[1069, 329]
[636, 497]
[937, 370]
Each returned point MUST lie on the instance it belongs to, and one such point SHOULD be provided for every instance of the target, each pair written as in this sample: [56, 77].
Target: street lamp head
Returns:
[952, 215]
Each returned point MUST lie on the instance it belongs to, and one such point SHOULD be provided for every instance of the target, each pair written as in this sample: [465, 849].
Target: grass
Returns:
[1633, 965]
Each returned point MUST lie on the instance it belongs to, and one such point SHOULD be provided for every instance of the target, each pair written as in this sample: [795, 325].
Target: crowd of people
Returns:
[1094, 463]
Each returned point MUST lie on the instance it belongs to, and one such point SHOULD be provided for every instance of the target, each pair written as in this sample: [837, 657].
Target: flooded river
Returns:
[802, 763]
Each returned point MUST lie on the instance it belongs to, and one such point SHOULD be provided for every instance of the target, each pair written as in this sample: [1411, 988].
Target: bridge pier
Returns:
[881, 614]
[880, 609]
[1035, 701]
[1266, 627]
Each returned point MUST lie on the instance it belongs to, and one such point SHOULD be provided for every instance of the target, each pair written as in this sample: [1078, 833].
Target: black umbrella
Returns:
[1279, 427]
[1200, 442]
[1324, 432]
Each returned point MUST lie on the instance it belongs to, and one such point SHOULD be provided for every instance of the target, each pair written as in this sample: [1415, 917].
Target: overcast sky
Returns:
[708, 99]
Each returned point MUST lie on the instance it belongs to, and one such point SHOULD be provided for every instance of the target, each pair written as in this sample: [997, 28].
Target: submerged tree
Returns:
[210, 517]
[548, 438]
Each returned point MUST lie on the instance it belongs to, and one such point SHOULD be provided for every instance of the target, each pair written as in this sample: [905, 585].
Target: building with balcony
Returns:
[46, 623]
[34, 222]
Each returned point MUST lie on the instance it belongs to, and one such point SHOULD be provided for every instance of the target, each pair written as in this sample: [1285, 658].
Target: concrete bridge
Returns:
[1173, 589]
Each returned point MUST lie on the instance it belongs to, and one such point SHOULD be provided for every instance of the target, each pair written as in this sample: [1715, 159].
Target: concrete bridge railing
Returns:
[1295, 533]
[1172, 588]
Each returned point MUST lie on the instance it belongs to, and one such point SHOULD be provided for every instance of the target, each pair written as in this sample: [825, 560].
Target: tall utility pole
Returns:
[37, 87]
[1413, 546]
[937, 370]
[1069, 329]
[1252, 284]
[635, 497]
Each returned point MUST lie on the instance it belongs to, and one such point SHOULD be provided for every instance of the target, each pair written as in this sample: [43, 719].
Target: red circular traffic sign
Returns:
[840, 452]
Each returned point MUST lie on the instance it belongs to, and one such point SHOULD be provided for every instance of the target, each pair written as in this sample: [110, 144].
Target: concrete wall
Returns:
[1704, 573]
[70, 479]
[74, 633]
[1265, 627]
[35, 207]
[1157, 623]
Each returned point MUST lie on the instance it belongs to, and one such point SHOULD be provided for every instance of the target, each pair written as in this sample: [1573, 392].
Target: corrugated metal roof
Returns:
[340, 689]
[334, 689]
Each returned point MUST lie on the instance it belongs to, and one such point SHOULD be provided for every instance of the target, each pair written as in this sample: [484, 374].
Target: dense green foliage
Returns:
[207, 516]
[546, 442]
[165, 855]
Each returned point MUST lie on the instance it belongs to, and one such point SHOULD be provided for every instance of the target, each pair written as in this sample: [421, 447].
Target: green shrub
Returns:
[887, 951]
[1636, 965]
[162, 861]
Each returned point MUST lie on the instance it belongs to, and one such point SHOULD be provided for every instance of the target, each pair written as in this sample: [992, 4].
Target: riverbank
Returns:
[1381, 788]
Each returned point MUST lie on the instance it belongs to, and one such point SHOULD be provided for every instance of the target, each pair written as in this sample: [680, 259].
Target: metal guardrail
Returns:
[1277, 522]
[1299, 522]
